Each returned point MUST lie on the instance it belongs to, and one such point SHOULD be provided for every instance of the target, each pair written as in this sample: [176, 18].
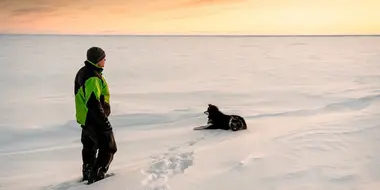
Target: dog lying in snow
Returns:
[219, 120]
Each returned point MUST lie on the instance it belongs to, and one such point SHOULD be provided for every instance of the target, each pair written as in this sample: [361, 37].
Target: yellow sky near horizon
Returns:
[191, 16]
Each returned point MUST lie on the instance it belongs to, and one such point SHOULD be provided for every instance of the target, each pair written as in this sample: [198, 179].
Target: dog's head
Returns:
[211, 110]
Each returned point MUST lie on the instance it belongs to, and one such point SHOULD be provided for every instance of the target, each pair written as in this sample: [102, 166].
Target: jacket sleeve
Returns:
[93, 89]
[106, 107]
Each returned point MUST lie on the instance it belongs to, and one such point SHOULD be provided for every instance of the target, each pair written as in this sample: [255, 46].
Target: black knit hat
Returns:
[95, 54]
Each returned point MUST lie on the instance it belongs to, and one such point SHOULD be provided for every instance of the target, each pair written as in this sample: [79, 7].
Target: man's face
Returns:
[102, 62]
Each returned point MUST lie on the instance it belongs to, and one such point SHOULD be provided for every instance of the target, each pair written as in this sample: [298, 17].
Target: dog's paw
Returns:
[200, 127]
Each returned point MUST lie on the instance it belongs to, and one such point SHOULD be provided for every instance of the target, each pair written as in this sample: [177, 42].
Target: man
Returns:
[92, 101]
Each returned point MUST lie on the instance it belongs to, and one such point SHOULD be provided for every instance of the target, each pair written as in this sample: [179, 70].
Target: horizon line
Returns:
[196, 35]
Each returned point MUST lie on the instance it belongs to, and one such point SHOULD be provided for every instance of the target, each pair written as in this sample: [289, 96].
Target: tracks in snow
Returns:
[167, 165]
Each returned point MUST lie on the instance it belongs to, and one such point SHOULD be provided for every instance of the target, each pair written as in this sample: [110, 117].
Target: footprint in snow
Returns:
[165, 166]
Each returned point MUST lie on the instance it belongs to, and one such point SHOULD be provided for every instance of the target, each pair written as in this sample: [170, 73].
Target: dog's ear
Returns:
[212, 106]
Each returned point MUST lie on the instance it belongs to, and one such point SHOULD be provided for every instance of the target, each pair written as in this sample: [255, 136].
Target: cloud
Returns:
[32, 10]
[211, 2]
[189, 9]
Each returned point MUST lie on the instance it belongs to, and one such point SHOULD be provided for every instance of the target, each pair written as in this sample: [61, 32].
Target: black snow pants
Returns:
[95, 140]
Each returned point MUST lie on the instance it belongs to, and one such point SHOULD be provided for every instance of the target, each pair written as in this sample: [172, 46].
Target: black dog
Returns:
[219, 120]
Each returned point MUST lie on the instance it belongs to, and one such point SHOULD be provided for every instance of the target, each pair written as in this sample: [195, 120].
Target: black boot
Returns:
[92, 177]
[86, 170]
[96, 175]
[101, 174]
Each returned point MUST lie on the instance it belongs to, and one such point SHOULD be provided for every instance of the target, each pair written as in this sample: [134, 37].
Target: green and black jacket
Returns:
[92, 97]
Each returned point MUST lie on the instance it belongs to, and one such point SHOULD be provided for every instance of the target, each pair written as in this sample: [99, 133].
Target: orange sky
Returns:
[190, 16]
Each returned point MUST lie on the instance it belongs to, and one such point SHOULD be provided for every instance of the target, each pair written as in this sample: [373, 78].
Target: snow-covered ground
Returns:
[311, 104]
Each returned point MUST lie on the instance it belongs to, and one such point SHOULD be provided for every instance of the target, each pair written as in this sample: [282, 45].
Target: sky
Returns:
[259, 17]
